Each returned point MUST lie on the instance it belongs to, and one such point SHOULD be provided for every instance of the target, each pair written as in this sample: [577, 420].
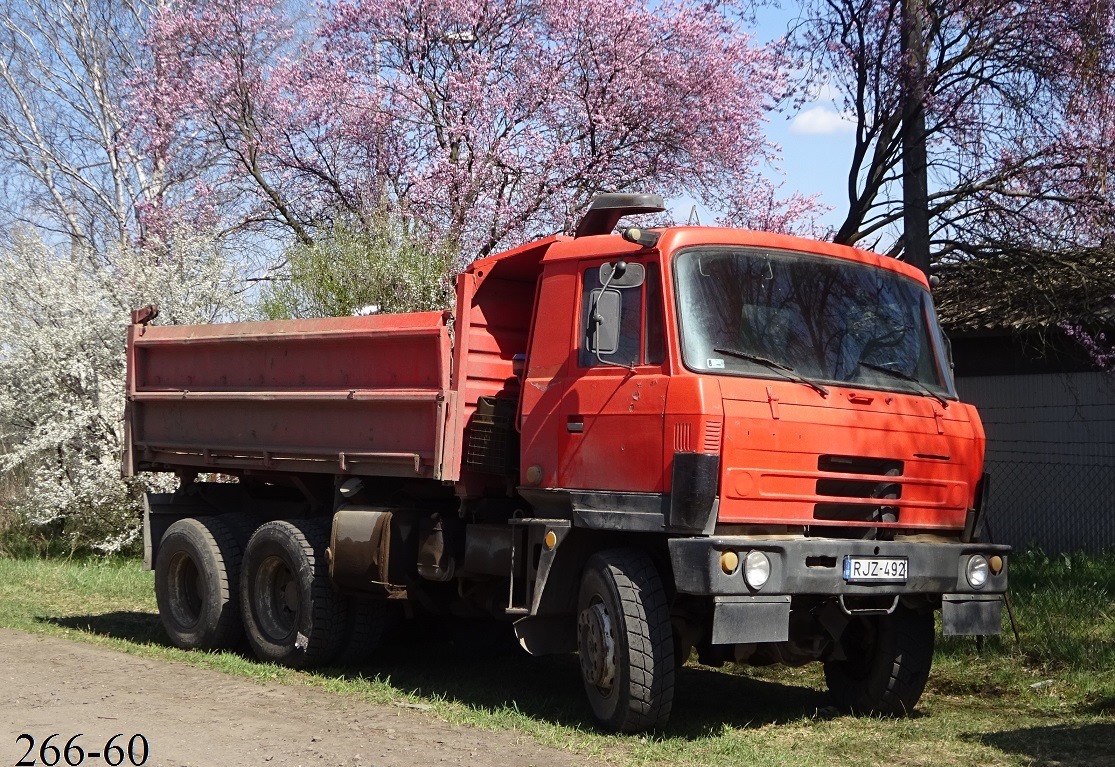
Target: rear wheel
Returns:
[241, 526]
[887, 665]
[292, 615]
[197, 582]
[368, 622]
[625, 641]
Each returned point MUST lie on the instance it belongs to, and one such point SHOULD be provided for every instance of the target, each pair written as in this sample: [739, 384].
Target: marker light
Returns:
[550, 540]
[644, 237]
[756, 569]
[996, 563]
[977, 570]
[729, 561]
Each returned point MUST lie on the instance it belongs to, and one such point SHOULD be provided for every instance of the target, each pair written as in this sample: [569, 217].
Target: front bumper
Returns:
[812, 566]
[802, 566]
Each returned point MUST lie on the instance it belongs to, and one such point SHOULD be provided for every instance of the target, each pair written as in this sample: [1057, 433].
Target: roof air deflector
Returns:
[606, 210]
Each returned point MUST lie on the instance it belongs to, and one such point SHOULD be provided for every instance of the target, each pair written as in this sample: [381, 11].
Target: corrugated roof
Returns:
[1027, 290]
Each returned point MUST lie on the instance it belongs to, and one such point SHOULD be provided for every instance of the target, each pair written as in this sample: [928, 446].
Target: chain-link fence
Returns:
[1051, 456]
[1056, 507]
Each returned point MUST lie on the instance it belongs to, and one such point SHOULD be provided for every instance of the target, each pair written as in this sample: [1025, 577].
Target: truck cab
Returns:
[774, 421]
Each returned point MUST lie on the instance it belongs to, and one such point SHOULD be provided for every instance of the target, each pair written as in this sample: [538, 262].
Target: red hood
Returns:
[793, 457]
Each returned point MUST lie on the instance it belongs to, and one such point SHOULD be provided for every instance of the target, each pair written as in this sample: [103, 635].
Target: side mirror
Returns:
[623, 274]
[604, 324]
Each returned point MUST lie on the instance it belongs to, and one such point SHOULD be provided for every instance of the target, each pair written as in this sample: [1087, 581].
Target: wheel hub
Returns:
[596, 646]
[290, 595]
[277, 602]
[187, 588]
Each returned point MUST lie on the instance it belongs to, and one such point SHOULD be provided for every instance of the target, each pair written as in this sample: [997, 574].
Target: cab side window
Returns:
[631, 315]
[654, 351]
[641, 335]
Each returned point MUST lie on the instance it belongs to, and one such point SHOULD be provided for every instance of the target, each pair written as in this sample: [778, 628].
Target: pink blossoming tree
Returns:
[481, 122]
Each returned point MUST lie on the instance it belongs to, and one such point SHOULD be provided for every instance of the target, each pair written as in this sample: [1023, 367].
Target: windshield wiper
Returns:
[786, 370]
[905, 377]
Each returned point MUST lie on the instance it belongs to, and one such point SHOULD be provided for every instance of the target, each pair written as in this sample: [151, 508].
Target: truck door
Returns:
[613, 404]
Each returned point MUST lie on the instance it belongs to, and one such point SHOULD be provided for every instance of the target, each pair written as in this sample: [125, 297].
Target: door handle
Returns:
[575, 424]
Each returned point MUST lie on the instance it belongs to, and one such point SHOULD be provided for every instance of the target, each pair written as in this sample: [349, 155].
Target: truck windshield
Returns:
[825, 319]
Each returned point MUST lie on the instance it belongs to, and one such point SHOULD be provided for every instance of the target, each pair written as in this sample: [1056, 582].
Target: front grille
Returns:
[855, 488]
[867, 487]
[854, 512]
[855, 464]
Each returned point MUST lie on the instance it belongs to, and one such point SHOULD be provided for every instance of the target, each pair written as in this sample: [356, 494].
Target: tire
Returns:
[887, 666]
[625, 641]
[197, 584]
[368, 622]
[292, 615]
[241, 525]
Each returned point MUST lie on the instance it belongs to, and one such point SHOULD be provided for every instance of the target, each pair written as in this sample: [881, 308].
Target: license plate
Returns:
[875, 569]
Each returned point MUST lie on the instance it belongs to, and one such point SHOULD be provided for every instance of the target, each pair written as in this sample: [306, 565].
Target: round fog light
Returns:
[729, 561]
[977, 570]
[756, 569]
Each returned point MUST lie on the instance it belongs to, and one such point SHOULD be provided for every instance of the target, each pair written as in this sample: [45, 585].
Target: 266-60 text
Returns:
[114, 753]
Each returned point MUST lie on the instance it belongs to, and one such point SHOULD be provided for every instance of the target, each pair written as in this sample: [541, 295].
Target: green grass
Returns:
[1065, 613]
[1048, 700]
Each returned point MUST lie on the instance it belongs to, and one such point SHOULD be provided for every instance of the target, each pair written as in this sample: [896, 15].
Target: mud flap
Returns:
[971, 614]
[160, 511]
[740, 620]
[547, 634]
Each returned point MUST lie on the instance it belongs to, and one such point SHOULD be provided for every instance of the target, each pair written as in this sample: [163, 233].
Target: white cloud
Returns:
[820, 120]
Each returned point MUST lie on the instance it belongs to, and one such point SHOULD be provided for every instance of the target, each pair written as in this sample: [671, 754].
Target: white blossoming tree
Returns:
[62, 357]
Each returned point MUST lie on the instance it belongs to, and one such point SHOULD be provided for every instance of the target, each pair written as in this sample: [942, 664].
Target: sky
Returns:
[816, 141]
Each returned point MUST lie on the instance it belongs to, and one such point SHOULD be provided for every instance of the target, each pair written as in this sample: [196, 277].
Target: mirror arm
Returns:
[618, 268]
[603, 361]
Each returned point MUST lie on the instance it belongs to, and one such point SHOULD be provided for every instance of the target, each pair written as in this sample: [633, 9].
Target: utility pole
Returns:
[915, 179]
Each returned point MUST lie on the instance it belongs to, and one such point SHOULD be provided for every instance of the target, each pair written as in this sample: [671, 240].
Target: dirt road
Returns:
[198, 717]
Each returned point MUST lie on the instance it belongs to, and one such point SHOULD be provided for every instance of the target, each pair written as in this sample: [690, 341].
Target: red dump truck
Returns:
[631, 446]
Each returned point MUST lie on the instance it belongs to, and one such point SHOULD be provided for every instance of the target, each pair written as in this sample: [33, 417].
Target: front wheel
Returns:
[625, 641]
[887, 663]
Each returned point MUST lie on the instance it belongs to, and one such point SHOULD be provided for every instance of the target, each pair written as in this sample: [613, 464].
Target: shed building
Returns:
[1029, 344]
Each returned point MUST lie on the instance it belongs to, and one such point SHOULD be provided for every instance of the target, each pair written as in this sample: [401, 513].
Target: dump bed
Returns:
[342, 395]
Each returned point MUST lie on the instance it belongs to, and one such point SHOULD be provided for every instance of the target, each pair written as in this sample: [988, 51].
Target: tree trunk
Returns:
[915, 181]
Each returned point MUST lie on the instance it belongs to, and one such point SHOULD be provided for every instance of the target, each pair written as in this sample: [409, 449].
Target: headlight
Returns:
[977, 570]
[756, 569]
